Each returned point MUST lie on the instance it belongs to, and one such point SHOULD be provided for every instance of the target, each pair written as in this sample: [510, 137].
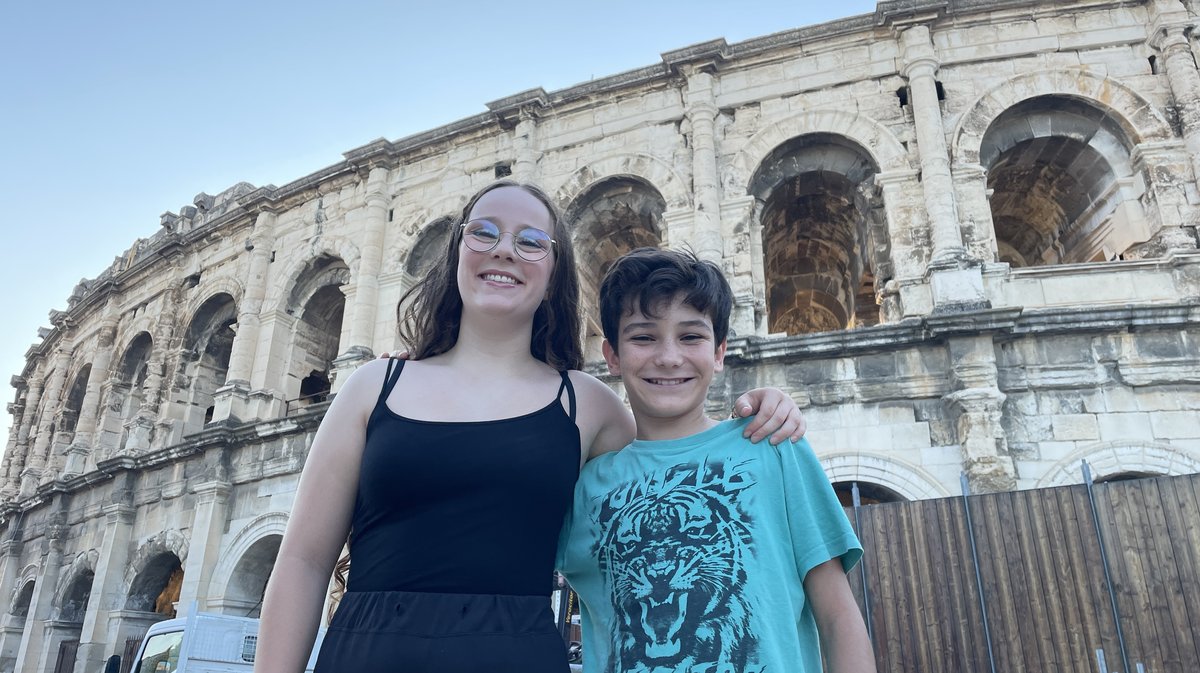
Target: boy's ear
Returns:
[719, 357]
[611, 357]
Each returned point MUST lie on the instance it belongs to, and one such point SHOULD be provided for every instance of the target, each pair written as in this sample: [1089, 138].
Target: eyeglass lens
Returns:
[483, 236]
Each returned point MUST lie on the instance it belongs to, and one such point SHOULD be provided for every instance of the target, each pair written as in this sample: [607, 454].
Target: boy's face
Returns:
[666, 363]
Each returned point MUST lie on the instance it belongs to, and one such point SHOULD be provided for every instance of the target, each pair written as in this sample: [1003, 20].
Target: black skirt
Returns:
[419, 632]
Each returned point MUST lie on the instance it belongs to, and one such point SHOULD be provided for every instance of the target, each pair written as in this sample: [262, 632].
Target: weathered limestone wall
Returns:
[961, 234]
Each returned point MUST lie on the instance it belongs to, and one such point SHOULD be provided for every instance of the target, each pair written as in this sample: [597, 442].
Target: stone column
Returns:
[30, 651]
[363, 294]
[89, 410]
[525, 147]
[976, 406]
[204, 543]
[1165, 163]
[701, 110]
[232, 400]
[10, 568]
[106, 596]
[1169, 36]
[920, 65]
[36, 463]
[22, 427]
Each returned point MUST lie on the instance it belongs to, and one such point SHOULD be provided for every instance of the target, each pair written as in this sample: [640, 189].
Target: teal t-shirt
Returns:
[689, 555]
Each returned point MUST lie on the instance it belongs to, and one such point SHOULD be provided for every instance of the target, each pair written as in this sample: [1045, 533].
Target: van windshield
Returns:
[161, 654]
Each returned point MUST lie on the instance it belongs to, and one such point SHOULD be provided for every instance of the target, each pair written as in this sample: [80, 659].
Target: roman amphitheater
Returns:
[962, 233]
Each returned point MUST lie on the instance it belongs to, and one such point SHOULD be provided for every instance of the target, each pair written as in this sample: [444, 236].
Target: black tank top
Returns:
[463, 507]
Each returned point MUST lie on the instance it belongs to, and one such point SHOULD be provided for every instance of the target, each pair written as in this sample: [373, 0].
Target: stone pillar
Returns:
[18, 455]
[701, 110]
[1169, 36]
[363, 296]
[976, 406]
[106, 597]
[232, 401]
[89, 410]
[525, 147]
[906, 294]
[30, 651]
[1166, 164]
[10, 568]
[204, 544]
[975, 212]
[920, 65]
[32, 474]
[744, 268]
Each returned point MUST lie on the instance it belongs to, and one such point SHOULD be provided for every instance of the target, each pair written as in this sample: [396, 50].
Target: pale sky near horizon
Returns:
[113, 113]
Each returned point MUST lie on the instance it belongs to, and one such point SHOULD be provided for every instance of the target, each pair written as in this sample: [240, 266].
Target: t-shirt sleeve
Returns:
[819, 528]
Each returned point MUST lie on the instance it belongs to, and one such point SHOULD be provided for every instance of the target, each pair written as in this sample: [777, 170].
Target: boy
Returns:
[692, 549]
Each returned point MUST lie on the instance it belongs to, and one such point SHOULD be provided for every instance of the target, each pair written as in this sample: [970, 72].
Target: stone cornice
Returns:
[914, 332]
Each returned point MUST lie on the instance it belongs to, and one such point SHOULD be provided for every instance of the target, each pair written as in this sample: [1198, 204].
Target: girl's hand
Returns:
[777, 415]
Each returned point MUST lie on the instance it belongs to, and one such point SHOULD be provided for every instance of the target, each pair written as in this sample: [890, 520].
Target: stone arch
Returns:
[168, 541]
[71, 405]
[820, 225]
[75, 587]
[211, 289]
[429, 247]
[155, 574]
[908, 481]
[318, 304]
[241, 573]
[1116, 457]
[884, 149]
[650, 170]
[22, 593]
[279, 293]
[204, 363]
[1135, 115]
[271, 523]
[612, 216]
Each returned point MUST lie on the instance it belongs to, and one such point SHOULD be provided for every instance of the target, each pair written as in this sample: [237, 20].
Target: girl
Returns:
[453, 479]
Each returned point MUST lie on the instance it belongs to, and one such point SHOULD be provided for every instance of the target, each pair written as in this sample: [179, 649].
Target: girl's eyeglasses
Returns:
[531, 244]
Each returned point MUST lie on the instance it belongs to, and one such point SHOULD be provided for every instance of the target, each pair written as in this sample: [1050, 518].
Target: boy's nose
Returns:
[668, 355]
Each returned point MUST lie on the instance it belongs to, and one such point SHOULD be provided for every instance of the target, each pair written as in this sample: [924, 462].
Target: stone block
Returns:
[1157, 400]
[1060, 402]
[1027, 428]
[1120, 399]
[1175, 424]
[1075, 427]
[1124, 426]
[894, 413]
[910, 436]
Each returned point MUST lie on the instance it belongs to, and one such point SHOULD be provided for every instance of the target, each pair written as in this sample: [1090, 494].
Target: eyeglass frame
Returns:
[500, 236]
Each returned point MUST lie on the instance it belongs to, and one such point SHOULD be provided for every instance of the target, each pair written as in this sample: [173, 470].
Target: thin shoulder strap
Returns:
[390, 378]
[566, 385]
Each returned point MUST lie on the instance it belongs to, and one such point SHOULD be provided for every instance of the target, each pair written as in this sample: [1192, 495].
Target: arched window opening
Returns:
[157, 587]
[248, 582]
[73, 405]
[429, 249]
[129, 388]
[75, 599]
[319, 304]
[609, 219]
[1062, 188]
[819, 218]
[868, 493]
[20, 607]
[1125, 476]
[207, 347]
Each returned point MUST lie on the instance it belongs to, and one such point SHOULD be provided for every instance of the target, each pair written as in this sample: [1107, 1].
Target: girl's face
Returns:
[501, 281]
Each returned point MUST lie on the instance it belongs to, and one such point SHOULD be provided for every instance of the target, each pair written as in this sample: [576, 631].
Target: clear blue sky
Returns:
[112, 113]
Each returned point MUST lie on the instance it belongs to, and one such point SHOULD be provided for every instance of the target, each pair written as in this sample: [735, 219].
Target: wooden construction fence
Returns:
[1046, 605]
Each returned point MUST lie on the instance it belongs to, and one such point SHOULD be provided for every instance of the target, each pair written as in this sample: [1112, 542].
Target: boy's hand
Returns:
[778, 415]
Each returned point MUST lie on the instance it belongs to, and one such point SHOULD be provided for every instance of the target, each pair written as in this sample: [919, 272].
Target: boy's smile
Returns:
[667, 361]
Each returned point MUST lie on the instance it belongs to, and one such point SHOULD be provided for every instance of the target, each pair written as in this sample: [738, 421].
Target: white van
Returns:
[204, 643]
